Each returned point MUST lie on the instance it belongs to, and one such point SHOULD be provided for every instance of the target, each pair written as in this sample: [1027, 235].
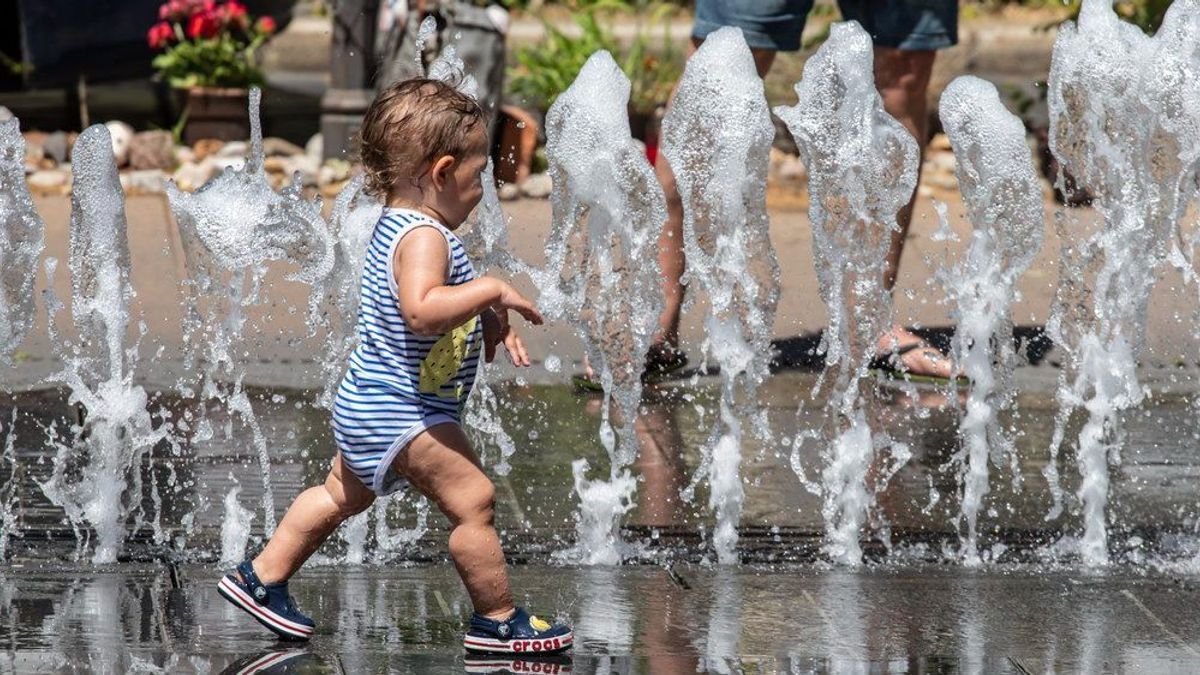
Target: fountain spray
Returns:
[717, 138]
[862, 168]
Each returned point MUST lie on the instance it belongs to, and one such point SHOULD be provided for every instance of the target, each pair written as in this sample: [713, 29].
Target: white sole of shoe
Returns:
[275, 623]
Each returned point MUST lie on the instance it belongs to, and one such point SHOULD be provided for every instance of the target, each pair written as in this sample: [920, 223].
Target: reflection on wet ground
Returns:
[386, 600]
[1153, 508]
[629, 620]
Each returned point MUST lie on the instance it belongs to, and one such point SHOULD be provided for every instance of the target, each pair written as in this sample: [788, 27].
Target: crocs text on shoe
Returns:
[519, 634]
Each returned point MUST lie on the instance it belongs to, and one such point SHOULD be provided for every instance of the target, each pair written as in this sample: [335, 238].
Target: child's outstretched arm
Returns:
[428, 305]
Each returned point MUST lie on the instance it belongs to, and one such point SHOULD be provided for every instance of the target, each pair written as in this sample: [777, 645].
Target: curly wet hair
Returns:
[409, 125]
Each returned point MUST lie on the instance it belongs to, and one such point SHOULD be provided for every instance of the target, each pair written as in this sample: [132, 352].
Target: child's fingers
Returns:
[530, 314]
[516, 350]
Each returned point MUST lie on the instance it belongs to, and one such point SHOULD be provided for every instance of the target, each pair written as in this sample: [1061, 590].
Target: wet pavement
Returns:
[643, 619]
[1153, 511]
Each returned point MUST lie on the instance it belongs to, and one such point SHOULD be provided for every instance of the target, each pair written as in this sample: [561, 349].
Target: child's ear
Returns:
[440, 172]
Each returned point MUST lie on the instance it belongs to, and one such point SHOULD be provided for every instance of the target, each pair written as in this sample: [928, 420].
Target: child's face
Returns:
[463, 186]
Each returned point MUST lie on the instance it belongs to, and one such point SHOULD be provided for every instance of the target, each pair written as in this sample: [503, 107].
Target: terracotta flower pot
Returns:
[221, 113]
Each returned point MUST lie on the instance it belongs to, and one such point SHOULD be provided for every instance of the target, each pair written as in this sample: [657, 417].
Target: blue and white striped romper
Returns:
[399, 383]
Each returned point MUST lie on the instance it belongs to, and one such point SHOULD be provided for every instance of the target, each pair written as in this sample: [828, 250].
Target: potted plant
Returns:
[209, 54]
[545, 70]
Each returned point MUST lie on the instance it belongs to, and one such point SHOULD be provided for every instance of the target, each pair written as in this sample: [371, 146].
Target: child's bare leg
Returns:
[309, 521]
[442, 466]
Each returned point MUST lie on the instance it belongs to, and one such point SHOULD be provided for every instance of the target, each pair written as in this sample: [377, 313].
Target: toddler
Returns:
[423, 317]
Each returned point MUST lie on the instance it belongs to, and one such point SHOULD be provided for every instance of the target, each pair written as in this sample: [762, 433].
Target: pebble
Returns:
[206, 147]
[57, 146]
[537, 186]
[238, 149]
[148, 181]
[333, 171]
[315, 147]
[48, 180]
[192, 175]
[152, 150]
[508, 192]
[228, 162]
[122, 136]
[278, 147]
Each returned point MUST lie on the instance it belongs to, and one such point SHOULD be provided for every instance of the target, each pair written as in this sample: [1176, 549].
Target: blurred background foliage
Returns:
[651, 59]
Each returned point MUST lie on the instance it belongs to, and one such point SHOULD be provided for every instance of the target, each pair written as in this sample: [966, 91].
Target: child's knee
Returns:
[475, 503]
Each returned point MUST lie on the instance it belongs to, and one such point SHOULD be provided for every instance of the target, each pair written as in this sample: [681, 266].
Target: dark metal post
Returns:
[352, 75]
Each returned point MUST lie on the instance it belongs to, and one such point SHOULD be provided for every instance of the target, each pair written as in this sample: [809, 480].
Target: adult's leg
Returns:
[309, 521]
[671, 257]
[442, 466]
[902, 77]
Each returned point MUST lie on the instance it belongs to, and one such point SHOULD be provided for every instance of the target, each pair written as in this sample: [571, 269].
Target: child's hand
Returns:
[511, 299]
[497, 330]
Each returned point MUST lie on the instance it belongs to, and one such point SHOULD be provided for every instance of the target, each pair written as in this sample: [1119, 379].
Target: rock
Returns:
[33, 147]
[278, 147]
[152, 150]
[277, 165]
[238, 149]
[223, 163]
[537, 186]
[308, 168]
[56, 147]
[48, 181]
[148, 181]
[315, 147]
[192, 175]
[183, 154]
[508, 192]
[5, 114]
[333, 171]
[34, 154]
[206, 147]
[122, 136]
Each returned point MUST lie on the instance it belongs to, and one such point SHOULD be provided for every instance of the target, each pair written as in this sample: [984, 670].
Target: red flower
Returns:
[159, 35]
[234, 14]
[203, 25]
[266, 25]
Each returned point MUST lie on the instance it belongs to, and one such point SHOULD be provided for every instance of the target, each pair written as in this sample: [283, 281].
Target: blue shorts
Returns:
[912, 25]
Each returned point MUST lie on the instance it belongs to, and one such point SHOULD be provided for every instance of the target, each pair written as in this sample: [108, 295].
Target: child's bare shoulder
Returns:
[422, 239]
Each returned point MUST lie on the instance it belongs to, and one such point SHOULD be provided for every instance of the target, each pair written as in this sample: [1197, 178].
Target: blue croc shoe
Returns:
[520, 634]
[269, 604]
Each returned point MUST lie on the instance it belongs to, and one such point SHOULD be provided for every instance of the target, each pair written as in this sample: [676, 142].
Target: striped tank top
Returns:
[438, 371]
[399, 383]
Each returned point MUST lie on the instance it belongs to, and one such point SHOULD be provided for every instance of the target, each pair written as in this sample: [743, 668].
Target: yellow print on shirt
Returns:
[443, 361]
